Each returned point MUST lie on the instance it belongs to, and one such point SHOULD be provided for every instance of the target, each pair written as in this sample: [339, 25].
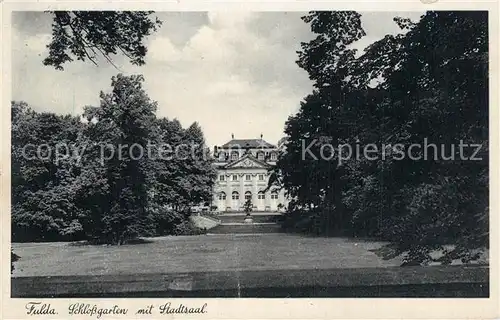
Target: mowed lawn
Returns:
[197, 254]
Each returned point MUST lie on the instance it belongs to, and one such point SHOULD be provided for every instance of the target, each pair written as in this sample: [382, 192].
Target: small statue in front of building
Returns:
[248, 207]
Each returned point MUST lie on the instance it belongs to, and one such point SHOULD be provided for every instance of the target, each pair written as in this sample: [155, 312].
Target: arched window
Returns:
[261, 195]
[260, 156]
[222, 195]
[273, 156]
[234, 155]
[222, 156]
[235, 195]
[274, 194]
[248, 195]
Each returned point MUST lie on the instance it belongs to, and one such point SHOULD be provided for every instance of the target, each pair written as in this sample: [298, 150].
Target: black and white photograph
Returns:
[248, 154]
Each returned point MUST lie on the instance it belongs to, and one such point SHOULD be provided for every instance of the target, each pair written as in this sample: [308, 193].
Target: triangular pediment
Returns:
[247, 161]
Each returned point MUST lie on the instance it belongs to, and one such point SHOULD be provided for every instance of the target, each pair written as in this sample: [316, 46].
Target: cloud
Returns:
[227, 77]
[228, 20]
[233, 72]
[38, 44]
[31, 44]
[161, 49]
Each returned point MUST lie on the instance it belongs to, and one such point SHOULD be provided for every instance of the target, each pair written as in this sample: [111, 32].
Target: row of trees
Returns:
[430, 82]
[109, 199]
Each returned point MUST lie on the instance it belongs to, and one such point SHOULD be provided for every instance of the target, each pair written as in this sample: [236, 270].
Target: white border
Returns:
[371, 308]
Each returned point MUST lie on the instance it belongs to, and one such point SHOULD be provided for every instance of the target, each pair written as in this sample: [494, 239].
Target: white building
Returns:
[242, 173]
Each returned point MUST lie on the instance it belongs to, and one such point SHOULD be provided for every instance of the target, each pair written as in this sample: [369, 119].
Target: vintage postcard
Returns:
[294, 160]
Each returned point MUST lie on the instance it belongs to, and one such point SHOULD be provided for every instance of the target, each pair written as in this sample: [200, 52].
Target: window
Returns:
[221, 178]
[222, 156]
[222, 196]
[261, 195]
[235, 177]
[248, 177]
[234, 156]
[235, 195]
[274, 195]
[261, 177]
[248, 195]
[273, 156]
[260, 156]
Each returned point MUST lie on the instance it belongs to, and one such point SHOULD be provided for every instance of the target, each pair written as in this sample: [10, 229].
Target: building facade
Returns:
[242, 173]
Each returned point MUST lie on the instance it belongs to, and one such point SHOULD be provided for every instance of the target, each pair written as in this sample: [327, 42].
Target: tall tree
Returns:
[428, 83]
[43, 205]
[127, 174]
[123, 123]
[200, 165]
[314, 181]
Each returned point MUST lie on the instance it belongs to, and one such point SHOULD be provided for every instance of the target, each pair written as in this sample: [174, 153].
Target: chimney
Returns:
[232, 135]
[261, 135]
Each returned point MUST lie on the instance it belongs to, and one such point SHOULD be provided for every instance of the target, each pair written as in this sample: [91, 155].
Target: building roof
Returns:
[247, 143]
[254, 162]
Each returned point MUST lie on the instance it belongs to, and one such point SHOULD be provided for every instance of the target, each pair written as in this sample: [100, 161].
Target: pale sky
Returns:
[232, 72]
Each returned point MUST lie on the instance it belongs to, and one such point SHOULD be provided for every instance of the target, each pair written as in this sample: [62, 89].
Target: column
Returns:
[215, 199]
[255, 199]
[241, 180]
[268, 196]
[228, 193]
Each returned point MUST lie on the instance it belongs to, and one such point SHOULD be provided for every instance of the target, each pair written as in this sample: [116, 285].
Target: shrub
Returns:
[13, 258]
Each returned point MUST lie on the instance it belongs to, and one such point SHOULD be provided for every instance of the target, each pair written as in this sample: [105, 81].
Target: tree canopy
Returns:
[86, 35]
[427, 85]
[109, 183]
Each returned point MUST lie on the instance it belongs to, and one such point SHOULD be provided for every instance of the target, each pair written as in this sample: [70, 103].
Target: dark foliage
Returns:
[86, 35]
[90, 195]
[169, 222]
[428, 84]
[13, 258]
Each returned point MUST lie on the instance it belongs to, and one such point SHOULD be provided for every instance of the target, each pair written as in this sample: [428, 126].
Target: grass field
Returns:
[197, 254]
